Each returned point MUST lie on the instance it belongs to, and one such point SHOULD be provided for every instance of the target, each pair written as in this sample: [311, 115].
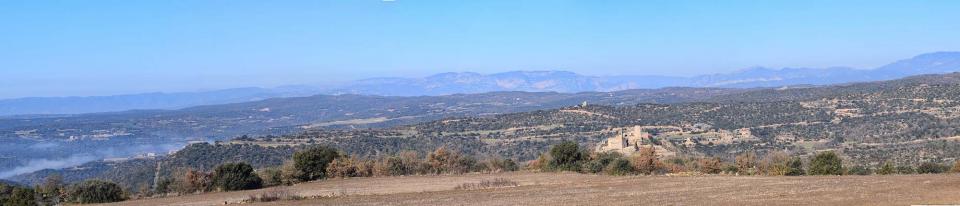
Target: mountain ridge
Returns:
[471, 83]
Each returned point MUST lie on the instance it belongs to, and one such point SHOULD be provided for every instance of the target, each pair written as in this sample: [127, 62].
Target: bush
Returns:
[271, 177]
[235, 176]
[341, 167]
[795, 167]
[887, 169]
[51, 189]
[488, 184]
[566, 156]
[931, 168]
[289, 173]
[599, 162]
[164, 186]
[859, 170]
[393, 166]
[445, 161]
[193, 181]
[746, 163]
[17, 196]
[646, 161]
[619, 166]
[731, 169]
[956, 167]
[710, 165]
[96, 191]
[311, 164]
[776, 164]
[500, 165]
[905, 170]
[675, 165]
[826, 163]
[412, 163]
[275, 194]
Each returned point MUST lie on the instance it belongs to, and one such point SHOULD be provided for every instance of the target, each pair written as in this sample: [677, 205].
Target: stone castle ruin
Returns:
[629, 141]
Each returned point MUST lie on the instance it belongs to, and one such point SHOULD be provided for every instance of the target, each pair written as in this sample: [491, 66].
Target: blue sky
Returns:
[65, 48]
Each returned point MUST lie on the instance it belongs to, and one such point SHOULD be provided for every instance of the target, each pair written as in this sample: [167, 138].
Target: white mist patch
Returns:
[40, 164]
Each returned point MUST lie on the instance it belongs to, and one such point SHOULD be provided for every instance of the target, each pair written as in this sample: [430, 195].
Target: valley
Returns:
[901, 122]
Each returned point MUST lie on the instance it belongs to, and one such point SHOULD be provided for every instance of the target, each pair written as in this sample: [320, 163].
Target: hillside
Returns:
[907, 122]
[63, 141]
[910, 120]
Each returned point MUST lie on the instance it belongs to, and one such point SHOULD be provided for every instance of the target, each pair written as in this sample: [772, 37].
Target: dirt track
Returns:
[580, 189]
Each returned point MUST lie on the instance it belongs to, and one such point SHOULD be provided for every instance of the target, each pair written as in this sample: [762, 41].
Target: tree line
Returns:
[323, 162]
[568, 156]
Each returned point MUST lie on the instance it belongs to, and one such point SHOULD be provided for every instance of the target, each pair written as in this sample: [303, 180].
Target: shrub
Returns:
[931, 168]
[746, 163]
[447, 161]
[956, 167]
[887, 169]
[905, 169]
[675, 165]
[341, 167]
[566, 156]
[776, 164]
[795, 167]
[52, 185]
[96, 191]
[710, 165]
[271, 177]
[488, 184]
[619, 166]
[164, 186]
[599, 162]
[541, 163]
[276, 194]
[859, 170]
[499, 165]
[366, 168]
[393, 165]
[311, 164]
[439, 161]
[289, 173]
[193, 181]
[730, 169]
[385, 166]
[412, 163]
[19, 196]
[235, 176]
[463, 164]
[646, 162]
[826, 163]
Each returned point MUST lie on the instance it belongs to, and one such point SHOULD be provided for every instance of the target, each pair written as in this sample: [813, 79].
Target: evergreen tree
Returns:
[826, 163]
[311, 163]
[236, 176]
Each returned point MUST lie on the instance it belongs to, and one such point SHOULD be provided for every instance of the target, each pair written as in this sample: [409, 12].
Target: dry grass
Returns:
[488, 184]
[274, 194]
[582, 189]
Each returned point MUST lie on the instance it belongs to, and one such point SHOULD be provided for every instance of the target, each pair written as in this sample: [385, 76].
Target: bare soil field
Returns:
[583, 189]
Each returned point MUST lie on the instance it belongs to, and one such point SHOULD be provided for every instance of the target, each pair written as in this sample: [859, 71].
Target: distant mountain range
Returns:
[469, 82]
[569, 82]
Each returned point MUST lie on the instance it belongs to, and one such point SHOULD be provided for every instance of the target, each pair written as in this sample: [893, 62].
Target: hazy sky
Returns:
[58, 48]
